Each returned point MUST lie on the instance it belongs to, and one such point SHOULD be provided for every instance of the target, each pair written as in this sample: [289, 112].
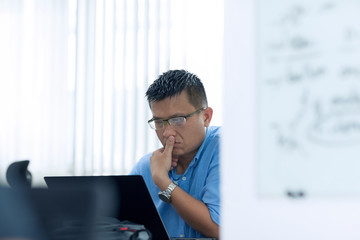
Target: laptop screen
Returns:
[125, 197]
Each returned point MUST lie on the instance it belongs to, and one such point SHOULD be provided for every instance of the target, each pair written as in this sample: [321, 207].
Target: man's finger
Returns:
[169, 145]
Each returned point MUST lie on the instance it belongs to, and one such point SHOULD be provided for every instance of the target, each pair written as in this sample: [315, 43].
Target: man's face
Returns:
[189, 137]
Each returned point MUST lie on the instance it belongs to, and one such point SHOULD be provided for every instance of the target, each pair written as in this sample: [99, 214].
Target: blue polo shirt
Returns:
[201, 180]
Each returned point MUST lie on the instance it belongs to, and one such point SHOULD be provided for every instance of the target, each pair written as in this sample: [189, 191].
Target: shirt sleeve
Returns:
[142, 167]
[211, 190]
[211, 195]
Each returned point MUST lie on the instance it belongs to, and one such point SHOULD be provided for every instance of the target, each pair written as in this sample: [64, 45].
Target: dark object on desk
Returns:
[43, 214]
[108, 228]
[59, 211]
[46, 214]
[18, 175]
[17, 216]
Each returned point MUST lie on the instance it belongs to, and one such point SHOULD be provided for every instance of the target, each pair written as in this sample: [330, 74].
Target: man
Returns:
[183, 175]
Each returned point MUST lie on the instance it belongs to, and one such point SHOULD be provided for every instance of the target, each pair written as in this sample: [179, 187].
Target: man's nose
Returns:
[168, 130]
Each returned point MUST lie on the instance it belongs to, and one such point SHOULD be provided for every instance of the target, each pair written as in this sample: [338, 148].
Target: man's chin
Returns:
[176, 152]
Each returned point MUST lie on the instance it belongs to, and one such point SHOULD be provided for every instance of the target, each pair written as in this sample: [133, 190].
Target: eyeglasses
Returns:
[179, 121]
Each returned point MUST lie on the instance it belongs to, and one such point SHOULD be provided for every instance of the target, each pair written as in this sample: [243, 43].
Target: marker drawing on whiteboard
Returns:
[295, 194]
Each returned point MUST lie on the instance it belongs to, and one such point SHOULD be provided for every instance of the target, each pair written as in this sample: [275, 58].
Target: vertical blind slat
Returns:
[168, 25]
[74, 167]
[157, 37]
[101, 156]
[91, 17]
[124, 95]
[135, 80]
[113, 121]
[146, 67]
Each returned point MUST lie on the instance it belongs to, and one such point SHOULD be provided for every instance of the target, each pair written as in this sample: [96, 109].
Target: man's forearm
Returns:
[194, 212]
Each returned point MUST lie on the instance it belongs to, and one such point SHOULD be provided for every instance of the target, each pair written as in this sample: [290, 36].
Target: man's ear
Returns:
[208, 112]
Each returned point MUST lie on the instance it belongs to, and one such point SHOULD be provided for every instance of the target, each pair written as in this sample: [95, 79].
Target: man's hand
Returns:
[174, 162]
[161, 162]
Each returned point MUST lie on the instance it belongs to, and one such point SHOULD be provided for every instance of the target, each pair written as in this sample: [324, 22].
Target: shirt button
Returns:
[184, 178]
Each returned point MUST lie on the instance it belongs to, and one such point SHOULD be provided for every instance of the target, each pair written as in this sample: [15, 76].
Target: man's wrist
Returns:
[166, 194]
[162, 183]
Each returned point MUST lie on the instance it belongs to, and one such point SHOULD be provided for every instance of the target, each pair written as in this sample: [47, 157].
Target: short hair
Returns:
[172, 83]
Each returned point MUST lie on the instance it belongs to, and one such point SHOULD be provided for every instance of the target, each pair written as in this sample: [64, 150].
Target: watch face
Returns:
[164, 198]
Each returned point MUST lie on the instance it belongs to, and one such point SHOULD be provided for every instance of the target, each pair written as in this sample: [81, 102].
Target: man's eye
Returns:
[158, 122]
[177, 120]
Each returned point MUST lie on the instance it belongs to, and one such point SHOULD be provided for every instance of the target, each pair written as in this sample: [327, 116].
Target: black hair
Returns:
[172, 83]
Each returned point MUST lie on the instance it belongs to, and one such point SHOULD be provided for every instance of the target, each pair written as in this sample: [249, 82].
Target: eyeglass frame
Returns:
[167, 120]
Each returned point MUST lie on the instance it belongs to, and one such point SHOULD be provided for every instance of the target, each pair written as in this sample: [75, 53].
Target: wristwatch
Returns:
[166, 194]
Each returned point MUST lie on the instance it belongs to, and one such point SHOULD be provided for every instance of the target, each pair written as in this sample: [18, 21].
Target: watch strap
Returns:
[166, 194]
[171, 187]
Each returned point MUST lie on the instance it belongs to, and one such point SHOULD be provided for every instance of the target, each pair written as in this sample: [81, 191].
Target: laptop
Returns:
[118, 198]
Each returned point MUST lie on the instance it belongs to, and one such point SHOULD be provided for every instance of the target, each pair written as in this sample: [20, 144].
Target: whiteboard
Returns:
[308, 97]
[255, 205]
